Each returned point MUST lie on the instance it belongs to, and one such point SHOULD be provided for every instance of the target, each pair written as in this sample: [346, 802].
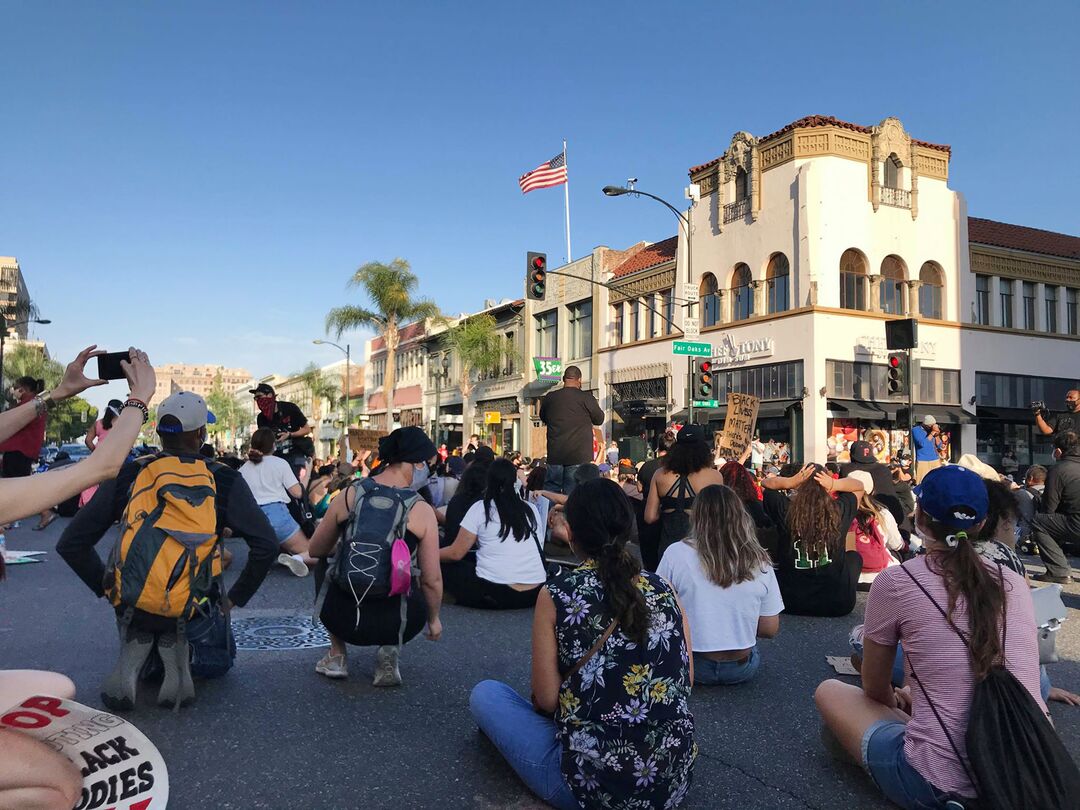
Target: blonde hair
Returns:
[725, 538]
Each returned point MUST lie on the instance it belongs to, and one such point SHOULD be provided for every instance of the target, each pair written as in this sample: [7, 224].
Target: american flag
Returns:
[546, 175]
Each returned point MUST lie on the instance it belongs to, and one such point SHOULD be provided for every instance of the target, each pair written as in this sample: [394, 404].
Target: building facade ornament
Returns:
[641, 284]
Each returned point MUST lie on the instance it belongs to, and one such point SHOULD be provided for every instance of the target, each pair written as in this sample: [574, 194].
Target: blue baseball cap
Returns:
[953, 496]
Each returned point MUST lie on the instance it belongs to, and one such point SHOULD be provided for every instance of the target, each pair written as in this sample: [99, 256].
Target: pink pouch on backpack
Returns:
[400, 568]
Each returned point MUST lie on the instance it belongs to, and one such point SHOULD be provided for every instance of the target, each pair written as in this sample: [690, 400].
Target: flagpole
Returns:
[566, 190]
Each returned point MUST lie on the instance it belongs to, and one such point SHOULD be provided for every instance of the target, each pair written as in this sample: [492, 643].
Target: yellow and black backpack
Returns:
[169, 553]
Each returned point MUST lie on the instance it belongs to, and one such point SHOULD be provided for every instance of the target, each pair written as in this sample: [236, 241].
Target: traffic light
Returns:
[703, 380]
[536, 276]
[897, 374]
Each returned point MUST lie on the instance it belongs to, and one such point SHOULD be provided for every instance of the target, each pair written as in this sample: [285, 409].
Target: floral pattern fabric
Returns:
[623, 720]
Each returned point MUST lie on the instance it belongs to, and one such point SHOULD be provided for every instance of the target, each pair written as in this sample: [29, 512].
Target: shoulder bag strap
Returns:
[576, 668]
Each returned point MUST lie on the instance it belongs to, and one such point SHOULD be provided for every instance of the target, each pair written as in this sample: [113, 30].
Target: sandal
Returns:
[42, 526]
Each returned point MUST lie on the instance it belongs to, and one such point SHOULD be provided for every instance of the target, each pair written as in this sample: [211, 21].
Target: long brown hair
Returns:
[262, 444]
[725, 538]
[983, 591]
[814, 520]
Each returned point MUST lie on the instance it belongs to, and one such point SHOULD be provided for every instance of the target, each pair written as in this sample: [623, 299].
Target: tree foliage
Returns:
[229, 415]
[481, 349]
[390, 290]
[322, 387]
[71, 418]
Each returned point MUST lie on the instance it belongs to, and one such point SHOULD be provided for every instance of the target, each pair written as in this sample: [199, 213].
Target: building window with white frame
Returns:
[891, 290]
[1005, 288]
[742, 293]
[547, 334]
[931, 285]
[635, 320]
[982, 300]
[617, 324]
[710, 301]
[1071, 314]
[511, 351]
[1051, 308]
[1028, 291]
[580, 329]
[650, 317]
[853, 280]
[667, 298]
[778, 284]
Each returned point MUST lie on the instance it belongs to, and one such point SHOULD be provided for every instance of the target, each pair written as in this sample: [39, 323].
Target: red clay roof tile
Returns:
[648, 256]
[1019, 237]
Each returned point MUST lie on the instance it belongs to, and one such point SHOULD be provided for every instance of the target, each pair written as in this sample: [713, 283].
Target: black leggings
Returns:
[469, 590]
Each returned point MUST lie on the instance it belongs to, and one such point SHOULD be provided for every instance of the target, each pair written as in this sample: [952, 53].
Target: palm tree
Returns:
[389, 288]
[479, 348]
[320, 386]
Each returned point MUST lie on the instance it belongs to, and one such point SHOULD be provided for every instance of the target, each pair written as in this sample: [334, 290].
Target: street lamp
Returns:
[440, 375]
[4, 326]
[693, 193]
[345, 386]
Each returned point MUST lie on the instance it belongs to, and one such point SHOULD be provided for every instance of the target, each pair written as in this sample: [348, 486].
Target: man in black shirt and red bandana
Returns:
[290, 426]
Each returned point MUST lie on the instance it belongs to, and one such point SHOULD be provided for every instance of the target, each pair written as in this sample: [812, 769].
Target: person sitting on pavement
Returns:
[1028, 504]
[273, 482]
[507, 570]
[725, 581]
[863, 458]
[817, 574]
[1059, 522]
[687, 469]
[873, 533]
[182, 420]
[609, 723]
[470, 490]
[898, 734]
[385, 622]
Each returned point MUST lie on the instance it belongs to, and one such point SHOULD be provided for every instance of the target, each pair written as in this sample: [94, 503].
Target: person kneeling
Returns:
[378, 530]
[507, 570]
[726, 583]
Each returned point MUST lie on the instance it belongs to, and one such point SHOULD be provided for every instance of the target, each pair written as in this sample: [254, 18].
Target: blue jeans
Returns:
[883, 757]
[525, 739]
[561, 478]
[710, 673]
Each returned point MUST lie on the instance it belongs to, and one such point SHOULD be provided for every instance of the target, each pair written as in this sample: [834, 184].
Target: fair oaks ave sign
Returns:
[730, 352]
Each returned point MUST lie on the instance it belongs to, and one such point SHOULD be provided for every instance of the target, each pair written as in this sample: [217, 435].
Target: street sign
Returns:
[706, 403]
[548, 368]
[689, 349]
[690, 292]
[691, 328]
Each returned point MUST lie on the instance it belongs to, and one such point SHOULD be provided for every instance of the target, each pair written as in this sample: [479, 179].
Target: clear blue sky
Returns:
[201, 178]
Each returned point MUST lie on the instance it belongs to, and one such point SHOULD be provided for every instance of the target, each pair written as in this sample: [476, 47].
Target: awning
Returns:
[642, 407]
[861, 409]
[537, 388]
[769, 409]
[948, 416]
[1006, 414]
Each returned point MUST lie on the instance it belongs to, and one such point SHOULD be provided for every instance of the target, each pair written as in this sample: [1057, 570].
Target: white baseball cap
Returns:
[929, 420]
[188, 408]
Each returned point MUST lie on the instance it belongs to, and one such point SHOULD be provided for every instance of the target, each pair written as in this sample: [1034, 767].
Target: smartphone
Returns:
[108, 365]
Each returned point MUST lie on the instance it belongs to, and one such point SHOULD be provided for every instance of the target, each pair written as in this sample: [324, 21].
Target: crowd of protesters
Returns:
[643, 579]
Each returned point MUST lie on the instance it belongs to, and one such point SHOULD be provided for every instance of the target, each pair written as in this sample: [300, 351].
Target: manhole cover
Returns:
[287, 632]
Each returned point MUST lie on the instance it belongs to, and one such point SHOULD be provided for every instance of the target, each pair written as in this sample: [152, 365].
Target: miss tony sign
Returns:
[121, 768]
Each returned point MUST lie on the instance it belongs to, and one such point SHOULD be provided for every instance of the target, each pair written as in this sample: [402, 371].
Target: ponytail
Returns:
[255, 456]
[600, 520]
[262, 444]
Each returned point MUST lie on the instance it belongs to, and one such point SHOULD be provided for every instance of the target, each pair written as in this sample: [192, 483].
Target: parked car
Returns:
[76, 452]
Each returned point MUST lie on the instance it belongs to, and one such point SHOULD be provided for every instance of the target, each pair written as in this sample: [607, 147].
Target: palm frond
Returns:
[341, 319]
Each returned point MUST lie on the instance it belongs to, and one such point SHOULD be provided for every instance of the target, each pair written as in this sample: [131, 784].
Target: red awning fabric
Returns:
[410, 396]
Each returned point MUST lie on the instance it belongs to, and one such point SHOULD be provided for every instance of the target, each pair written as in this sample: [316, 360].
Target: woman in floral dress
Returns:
[608, 725]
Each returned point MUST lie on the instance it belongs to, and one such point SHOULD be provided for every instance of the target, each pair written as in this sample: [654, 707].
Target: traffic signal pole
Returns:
[910, 410]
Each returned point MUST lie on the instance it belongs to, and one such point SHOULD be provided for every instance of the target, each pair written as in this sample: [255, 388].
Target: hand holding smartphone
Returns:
[109, 365]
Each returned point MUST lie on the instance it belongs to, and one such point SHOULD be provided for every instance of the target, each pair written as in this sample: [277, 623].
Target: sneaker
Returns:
[177, 688]
[298, 567]
[118, 691]
[333, 666]
[386, 667]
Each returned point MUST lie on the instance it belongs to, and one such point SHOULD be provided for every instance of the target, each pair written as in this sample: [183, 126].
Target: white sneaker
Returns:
[298, 567]
[333, 666]
[386, 667]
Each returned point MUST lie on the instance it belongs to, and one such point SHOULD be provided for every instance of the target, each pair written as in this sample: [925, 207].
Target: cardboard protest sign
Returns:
[362, 439]
[742, 411]
[121, 768]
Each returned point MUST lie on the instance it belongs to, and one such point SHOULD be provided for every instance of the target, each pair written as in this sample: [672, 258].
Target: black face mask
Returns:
[1071, 406]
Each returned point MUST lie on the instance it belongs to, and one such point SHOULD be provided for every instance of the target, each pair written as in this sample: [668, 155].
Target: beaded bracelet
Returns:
[138, 403]
[43, 404]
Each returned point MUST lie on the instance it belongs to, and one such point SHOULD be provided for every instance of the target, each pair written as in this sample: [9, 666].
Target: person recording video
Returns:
[1050, 425]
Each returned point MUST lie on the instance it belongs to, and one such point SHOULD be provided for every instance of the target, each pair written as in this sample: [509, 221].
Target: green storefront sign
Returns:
[548, 368]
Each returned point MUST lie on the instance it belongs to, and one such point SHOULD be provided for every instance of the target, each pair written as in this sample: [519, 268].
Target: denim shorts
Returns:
[282, 522]
[883, 757]
[709, 672]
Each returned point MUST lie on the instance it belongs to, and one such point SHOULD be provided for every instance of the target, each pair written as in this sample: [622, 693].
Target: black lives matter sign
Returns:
[742, 412]
[121, 768]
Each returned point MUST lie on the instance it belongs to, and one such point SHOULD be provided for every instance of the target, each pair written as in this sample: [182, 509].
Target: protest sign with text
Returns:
[742, 411]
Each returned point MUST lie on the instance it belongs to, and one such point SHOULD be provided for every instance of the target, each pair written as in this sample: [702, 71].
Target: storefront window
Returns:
[774, 381]
[869, 381]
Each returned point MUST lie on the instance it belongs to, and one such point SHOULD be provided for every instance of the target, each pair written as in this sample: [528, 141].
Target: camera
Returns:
[1038, 406]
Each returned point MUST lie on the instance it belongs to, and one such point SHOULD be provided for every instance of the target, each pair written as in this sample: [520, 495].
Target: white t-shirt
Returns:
[504, 562]
[720, 618]
[269, 479]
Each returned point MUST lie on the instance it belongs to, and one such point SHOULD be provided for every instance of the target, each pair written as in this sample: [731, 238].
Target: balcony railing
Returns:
[896, 197]
[736, 210]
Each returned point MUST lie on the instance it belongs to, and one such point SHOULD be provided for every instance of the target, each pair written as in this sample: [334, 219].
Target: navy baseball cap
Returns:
[953, 496]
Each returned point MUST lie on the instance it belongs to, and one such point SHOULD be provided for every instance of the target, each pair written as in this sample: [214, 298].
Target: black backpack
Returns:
[1015, 758]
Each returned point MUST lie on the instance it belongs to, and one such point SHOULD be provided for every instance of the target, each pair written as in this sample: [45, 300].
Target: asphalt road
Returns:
[273, 734]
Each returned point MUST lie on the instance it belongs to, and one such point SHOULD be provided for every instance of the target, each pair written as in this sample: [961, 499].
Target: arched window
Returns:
[710, 300]
[853, 280]
[891, 291]
[931, 284]
[892, 171]
[742, 187]
[778, 284]
[742, 294]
